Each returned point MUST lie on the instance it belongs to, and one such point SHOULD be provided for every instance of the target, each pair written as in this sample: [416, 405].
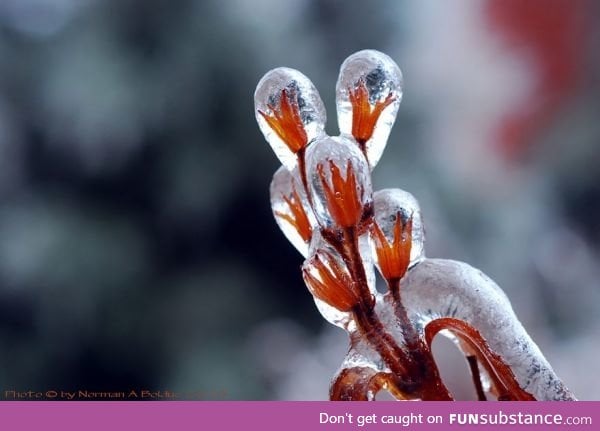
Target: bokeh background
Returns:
[137, 246]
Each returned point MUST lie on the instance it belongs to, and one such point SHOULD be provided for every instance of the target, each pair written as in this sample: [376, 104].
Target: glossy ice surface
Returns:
[323, 201]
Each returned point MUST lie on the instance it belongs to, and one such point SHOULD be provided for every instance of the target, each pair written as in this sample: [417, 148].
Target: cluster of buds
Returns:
[323, 201]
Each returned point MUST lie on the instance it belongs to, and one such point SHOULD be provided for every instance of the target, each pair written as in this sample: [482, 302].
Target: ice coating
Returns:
[387, 203]
[302, 96]
[355, 384]
[382, 79]
[322, 200]
[323, 158]
[368, 262]
[329, 313]
[437, 288]
[290, 205]
[333, 315]
[357, 379]
[362, 355]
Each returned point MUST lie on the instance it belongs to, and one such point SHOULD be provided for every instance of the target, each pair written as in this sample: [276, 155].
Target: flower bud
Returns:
[291, 209]
[339, 182]
[289, 112]
[368, 95]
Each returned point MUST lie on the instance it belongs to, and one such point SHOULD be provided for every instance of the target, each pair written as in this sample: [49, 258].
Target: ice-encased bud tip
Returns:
[387, 204]
[289, 112]
[368, 95]
[291, 209]
[339, 182]
[326, 275]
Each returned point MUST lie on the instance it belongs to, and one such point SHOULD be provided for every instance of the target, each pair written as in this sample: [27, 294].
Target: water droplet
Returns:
[289, 123]
[369, 77]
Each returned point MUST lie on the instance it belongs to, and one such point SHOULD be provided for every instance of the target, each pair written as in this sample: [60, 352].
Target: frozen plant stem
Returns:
[323, 201]
[415, 369]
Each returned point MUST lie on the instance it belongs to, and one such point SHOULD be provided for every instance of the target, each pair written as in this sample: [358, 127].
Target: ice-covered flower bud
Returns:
[291, 209]
[327, 278]
[333, 315]
[368, 95]
[289, 112]
[388, 205]
[339, 182]
[393, 255]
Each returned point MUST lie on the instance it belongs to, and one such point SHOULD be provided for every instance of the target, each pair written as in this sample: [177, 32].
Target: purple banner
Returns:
[300, 416]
